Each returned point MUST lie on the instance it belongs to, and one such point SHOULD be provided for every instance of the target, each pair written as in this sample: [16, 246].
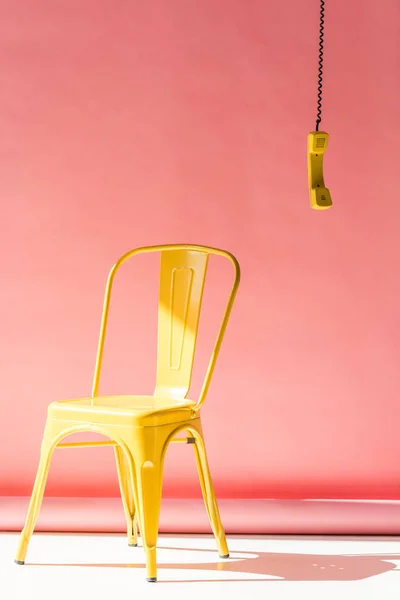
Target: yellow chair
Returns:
[141, 427]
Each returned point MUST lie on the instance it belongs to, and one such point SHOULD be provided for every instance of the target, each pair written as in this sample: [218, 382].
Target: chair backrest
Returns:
[182, 277]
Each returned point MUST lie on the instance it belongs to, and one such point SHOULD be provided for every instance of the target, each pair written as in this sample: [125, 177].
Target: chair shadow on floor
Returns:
[269, 566]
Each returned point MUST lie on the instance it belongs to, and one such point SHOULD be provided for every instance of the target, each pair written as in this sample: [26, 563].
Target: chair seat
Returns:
[123, 410]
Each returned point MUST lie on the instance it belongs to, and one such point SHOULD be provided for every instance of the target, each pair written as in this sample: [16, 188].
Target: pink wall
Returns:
[130, 123]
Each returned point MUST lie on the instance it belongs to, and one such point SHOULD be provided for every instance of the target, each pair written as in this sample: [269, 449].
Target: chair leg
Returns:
[209, 496]
[125, 485]
[37, 496]
[149, 483]
[147, 471]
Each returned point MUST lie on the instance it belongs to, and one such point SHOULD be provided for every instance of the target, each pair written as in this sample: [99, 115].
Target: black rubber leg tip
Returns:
[19, 562]
[152, 579]
[132, 545]
[224, 555]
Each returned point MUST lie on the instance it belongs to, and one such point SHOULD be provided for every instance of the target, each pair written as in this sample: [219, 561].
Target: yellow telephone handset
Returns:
[320, 197]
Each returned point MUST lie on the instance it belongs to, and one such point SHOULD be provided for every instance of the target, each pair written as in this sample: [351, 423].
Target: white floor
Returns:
[74, 567]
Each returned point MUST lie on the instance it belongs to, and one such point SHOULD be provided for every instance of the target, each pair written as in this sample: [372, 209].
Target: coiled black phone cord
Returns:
[320, 61]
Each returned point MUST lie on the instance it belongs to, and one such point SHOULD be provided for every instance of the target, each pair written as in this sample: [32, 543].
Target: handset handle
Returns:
[320, 197]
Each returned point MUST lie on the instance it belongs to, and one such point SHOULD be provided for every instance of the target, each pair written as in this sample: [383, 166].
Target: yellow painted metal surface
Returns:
[141, 427]
[320, 196]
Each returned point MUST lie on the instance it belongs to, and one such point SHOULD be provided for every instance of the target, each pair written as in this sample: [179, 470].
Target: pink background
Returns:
[131, 123]
[183, 515]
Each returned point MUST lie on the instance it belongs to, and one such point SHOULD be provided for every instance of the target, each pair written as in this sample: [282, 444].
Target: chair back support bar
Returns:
[182, 276]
